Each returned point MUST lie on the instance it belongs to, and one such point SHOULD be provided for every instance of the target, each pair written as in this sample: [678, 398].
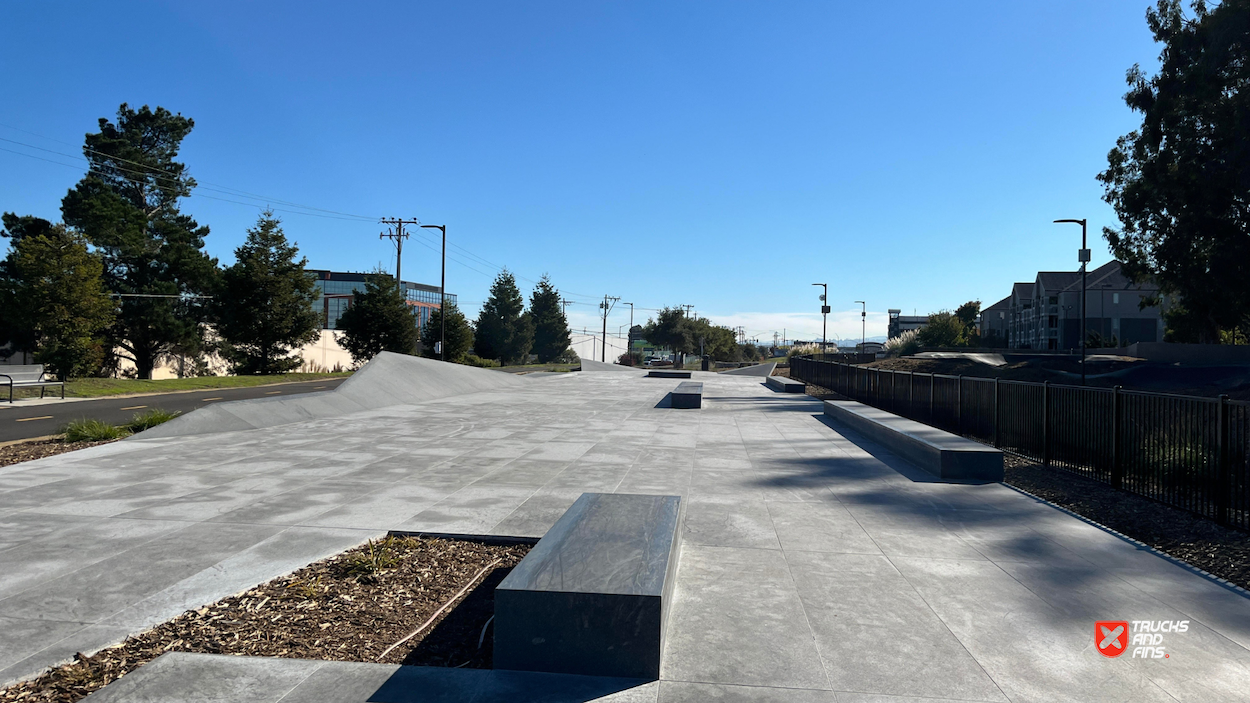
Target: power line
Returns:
[209, 185]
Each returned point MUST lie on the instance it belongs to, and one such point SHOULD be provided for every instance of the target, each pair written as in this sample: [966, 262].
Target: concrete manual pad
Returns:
[592, 596]
[817, 566]
[941, 453]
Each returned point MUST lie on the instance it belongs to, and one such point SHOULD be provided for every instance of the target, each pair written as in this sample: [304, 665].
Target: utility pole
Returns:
[863, 319]
[824, 316]
[629, 339]
[606, 306]
[442, 294]
[399, 235]
[687, 307]
[1083, 257]
[564, 307]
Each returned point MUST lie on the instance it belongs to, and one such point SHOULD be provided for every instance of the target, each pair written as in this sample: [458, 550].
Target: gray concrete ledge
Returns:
[668, 374]
[785, 385]
[592, 597]
[688, 395]
[940, 453]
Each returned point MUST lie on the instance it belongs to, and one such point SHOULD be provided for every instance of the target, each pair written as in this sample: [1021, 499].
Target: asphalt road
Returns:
[21, 421]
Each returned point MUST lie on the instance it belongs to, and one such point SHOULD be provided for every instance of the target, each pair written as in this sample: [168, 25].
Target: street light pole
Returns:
[824, 316]
[863, 327]
[1083, 257]
[442, 296]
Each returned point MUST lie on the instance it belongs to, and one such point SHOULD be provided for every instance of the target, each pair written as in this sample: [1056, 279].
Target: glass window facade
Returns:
[336, 291]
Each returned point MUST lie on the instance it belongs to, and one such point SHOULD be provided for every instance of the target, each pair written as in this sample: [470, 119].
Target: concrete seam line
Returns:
[438, 612]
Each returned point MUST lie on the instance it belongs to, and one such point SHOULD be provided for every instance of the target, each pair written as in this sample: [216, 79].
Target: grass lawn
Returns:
[538, 367]
[101, 387]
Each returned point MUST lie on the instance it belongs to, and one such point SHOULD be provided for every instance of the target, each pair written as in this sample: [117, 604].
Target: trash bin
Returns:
[707, 363]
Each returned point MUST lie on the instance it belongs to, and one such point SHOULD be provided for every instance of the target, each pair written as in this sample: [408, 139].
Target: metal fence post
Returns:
[1045, 423]
[1221, 463]
[1117, 469]
[959, 405]
[996, 418]
[931, 397]
[893, 394]
[911, 394]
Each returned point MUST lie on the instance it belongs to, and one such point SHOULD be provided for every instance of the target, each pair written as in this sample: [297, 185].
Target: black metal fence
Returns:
[1186, 451]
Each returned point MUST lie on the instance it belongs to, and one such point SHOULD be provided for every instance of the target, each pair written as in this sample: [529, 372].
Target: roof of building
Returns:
[1022, 290]
[1000, 305]
[1057, 280]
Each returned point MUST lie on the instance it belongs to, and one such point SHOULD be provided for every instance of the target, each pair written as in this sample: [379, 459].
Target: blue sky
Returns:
[719, 154]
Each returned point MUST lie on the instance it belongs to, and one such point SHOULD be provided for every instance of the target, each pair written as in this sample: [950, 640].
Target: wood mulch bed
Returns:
[41, 448]
[352, 607]
[1196, 540]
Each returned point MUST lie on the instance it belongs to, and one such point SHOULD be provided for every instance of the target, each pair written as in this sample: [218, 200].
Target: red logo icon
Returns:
[1111, 637]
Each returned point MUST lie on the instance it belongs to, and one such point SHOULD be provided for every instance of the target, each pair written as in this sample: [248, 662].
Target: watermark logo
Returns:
[1144, 637]
[1111, 636]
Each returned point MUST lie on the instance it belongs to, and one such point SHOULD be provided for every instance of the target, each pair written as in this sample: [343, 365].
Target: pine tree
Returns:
[551, 329]
[264, 307]
[127, 207]
[459, 334]
[52, 297]
[378, 320]
[502, 331]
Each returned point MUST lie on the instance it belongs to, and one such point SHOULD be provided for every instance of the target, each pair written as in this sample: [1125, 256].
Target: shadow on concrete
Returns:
[1013, 527]
[420, 684]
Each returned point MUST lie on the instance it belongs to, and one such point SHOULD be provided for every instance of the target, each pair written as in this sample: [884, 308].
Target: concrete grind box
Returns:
[593, 596]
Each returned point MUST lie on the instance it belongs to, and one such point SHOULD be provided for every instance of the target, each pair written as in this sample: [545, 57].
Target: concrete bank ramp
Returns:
[388, 379]
[757, 370]
[592, 366]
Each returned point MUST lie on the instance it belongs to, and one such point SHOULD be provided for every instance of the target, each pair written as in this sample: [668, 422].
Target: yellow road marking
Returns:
[208, 399]
[28, 419]
[273, 392]
[134, 407]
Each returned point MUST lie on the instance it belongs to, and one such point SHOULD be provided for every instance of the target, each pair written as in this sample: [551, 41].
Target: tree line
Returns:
[124, 276]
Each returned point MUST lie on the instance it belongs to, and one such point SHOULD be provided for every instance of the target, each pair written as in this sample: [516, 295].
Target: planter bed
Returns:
[362, 605]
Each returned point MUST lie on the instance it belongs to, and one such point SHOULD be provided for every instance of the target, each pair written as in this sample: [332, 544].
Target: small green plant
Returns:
[92, 431]
[364, 564]
[475, 360]
[151, 418]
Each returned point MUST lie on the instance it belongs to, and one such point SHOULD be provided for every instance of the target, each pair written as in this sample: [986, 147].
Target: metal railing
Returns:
[1186, 451]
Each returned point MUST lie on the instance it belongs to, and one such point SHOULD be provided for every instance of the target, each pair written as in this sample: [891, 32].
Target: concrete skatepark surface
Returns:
[386, 380]
[756, 370]
[816, 565]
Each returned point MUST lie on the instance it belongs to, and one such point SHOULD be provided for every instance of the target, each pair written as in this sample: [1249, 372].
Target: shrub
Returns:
[475, 360]
[628, 359]
[92, 431]
[568, 356]
[808, 349]
[148, 420]
[906, 344]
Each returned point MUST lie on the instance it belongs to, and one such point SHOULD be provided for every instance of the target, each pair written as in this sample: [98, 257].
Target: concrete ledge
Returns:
[940, 453]
[592, 597]
[668, 374]
[785, 385]
[688, 395]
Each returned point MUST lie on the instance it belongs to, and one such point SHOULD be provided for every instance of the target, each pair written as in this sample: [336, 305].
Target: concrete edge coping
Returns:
[936, 451]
